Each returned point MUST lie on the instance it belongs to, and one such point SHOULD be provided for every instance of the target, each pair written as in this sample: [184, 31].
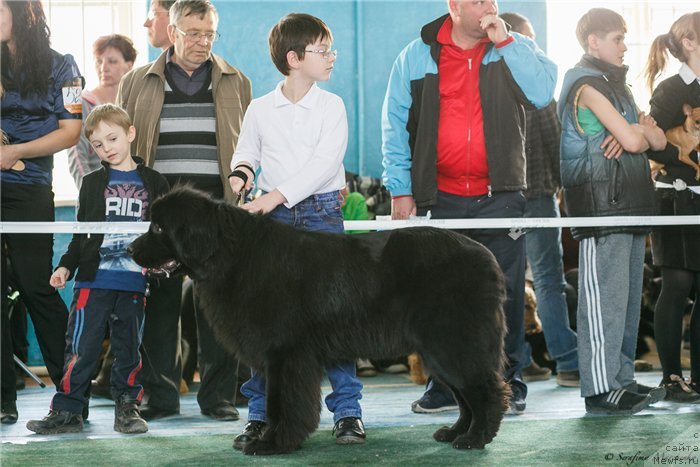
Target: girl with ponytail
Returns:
[676, 249]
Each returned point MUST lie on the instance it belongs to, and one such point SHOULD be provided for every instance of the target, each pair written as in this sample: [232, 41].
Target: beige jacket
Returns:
[141, 94]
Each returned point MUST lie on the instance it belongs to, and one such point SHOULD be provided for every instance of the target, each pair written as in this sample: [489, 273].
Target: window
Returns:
[75, 24]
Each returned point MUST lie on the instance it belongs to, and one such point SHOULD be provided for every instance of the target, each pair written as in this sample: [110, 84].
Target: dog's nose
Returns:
[130, 250]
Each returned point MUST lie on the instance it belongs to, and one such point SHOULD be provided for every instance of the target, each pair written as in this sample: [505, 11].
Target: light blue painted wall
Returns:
[368, 34]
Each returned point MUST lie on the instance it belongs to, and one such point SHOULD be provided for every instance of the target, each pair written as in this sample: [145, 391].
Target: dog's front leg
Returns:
[293, 404]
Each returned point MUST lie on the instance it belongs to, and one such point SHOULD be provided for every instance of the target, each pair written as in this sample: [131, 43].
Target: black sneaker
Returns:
[678, 390]
[252, 431]
[433, 402]
[617, 402]
[349, 430]
[656, 393]
[8, 412]
[127, 418]
[57, 421]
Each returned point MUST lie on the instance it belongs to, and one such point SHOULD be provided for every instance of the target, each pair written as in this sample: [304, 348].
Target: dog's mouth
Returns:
[164, 270]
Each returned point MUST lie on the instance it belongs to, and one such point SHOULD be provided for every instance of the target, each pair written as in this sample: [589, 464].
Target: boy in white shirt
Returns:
[297, 135]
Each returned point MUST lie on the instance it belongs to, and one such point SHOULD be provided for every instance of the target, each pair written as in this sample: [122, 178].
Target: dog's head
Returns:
[183, 237]
[692, 119]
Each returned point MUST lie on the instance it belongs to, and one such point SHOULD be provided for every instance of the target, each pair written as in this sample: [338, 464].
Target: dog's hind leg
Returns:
[487, 397]
[447, 434]
[293, 403]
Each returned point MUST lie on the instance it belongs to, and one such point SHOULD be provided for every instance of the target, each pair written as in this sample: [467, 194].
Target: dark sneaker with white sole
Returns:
[434, 402]
[57, 421]
[617, 402]
[349, 430]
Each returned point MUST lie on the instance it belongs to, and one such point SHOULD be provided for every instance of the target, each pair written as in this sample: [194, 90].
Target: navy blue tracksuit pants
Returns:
[91, 311]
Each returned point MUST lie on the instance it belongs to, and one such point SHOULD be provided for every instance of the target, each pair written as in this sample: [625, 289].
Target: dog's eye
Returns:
[156, 228]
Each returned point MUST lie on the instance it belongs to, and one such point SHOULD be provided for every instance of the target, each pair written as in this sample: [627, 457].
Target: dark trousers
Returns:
[218, 369]
[27, 258]
[162, 359]
[510, 255]
[91, 312]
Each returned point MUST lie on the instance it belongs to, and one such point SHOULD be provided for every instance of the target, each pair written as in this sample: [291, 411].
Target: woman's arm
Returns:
[66, 135]
[631, 137]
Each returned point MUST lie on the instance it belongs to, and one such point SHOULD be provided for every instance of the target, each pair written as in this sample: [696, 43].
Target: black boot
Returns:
[252, 431]
[127, 418]
[8, 412]
[57, 421]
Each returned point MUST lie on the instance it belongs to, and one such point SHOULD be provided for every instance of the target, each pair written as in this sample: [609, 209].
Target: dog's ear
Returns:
[196, 233]
[687, 110]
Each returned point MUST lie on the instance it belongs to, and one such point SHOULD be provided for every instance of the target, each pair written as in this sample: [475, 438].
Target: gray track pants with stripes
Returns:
[611, 269]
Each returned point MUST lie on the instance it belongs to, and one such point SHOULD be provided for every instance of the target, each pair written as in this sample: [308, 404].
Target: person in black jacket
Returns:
[110, 287]
[676, 249]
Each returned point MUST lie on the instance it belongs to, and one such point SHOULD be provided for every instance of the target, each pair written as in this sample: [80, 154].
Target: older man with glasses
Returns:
[187, 107]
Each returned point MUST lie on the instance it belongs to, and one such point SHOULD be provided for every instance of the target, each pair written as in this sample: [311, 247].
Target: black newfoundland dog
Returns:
[288, 303]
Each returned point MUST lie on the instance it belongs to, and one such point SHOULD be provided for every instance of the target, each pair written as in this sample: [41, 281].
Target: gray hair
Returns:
[200, 8]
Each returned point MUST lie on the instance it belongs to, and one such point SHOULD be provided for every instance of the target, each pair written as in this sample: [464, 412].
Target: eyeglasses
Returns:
[324, 53]
[195, 36]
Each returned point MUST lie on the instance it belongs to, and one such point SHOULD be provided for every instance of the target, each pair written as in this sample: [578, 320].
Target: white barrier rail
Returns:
[496, 223]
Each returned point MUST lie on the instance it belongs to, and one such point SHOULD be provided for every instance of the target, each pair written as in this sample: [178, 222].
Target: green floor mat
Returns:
[583, 441]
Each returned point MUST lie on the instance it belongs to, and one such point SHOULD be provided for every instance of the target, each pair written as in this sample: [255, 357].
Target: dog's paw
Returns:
[445, 435]
[467, 441]
[262, 447]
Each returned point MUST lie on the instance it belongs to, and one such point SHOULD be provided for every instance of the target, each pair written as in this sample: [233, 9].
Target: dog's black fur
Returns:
[289, 303]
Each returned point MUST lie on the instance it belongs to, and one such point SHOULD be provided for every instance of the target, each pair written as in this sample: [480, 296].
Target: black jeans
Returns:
[27, 258]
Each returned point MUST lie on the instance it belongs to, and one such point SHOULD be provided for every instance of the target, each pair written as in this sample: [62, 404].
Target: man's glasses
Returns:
[195, 36]
[324, 53]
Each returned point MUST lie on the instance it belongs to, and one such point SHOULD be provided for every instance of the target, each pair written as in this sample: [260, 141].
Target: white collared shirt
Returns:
[687, 74]
[299, 147]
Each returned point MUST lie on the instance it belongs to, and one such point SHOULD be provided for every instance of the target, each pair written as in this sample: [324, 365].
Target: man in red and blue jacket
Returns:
[453, 128]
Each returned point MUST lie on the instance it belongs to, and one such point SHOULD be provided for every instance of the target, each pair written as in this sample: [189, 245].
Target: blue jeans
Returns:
[544, 254]
[317, 213]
